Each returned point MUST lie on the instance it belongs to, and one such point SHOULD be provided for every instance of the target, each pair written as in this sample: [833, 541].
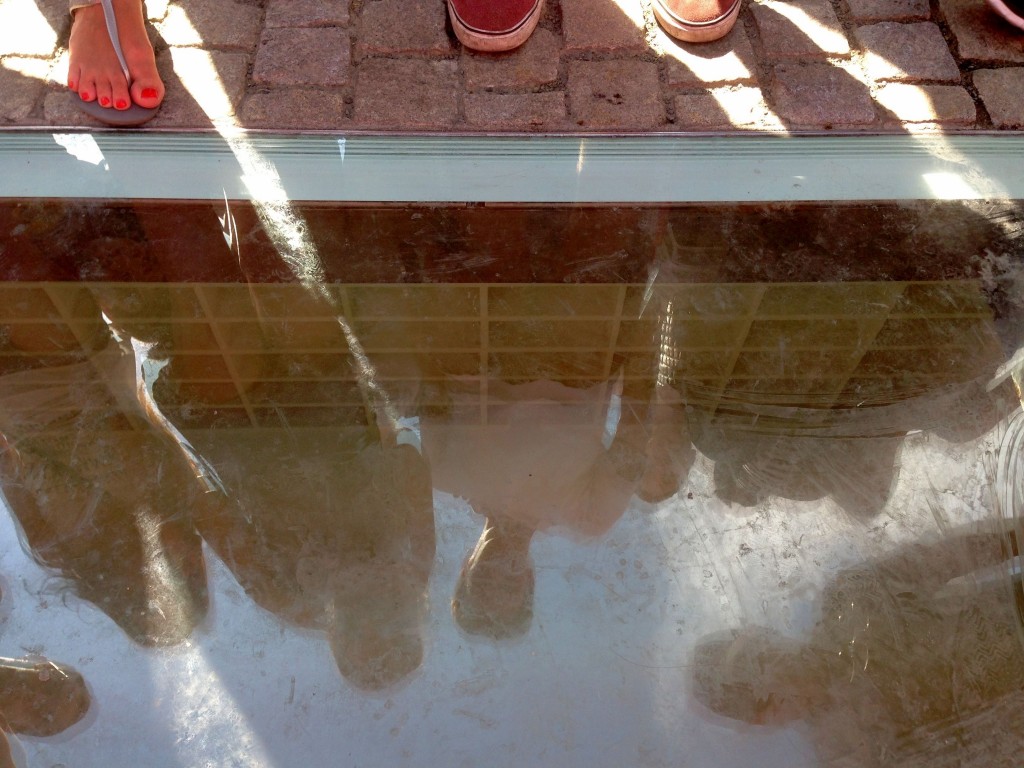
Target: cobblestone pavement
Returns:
[592, 65]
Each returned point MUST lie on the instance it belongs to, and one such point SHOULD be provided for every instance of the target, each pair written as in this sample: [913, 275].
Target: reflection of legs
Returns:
[97, 499]
[38, 699]
[758, 676]
[903, 650]
[669, 451]
[125, 544]
[494, 595]
[651, 447]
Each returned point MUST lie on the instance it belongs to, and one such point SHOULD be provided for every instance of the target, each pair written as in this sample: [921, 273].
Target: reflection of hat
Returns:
[741, 673]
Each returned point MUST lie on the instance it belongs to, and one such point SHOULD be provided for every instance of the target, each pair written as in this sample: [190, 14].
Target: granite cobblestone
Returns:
[941, 105]
[801, 29]
[592, 65]
[894, 51]
[869, 11]
[536, 64]
[303, 57]
[402, 27]
[1000, 91]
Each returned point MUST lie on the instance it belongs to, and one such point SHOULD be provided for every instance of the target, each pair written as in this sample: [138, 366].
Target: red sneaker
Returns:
[697, 21]
[494, 25]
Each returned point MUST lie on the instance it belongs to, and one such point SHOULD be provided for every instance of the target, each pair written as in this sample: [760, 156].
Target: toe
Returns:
[87, 89]
[74, 78]
[147, 93]
[104, 93]
[120, 96]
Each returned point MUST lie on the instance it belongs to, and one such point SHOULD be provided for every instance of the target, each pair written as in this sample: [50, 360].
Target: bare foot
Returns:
[94, 72]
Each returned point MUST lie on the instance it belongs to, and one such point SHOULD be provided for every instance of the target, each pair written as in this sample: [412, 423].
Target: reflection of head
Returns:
[373, 658]
[494, 594]
[41, 698]
[757, 676]
[146, 575]
[495, 609]
[376, 637]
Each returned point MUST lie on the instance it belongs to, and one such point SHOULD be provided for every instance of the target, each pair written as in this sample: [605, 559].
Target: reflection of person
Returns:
[543, 461]
[352, 558]
[100, 494]
[915, 660]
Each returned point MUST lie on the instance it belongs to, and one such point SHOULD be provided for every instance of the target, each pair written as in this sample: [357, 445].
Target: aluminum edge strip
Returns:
[527, 169]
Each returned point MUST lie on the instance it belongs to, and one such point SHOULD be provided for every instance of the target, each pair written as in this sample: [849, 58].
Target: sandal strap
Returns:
[115, 38]
[111, 19]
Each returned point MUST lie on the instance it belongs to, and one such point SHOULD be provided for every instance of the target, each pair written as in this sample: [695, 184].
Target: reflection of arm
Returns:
[879, 611]
[853, 734]
[6, 759]
[421, 507]
[927, 567]
[988, 736]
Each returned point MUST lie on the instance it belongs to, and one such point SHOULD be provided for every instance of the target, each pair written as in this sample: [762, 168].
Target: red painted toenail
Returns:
[104, 101]
[149, 93]
[121, 104]
[84, 95]
[71, 85]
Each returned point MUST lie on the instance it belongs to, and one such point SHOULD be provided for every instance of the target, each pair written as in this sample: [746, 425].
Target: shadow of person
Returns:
[915, 660]
[806, 85]
[805, 390]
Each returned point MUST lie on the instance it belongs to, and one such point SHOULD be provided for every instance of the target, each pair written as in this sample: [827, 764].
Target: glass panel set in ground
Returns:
[691, 485]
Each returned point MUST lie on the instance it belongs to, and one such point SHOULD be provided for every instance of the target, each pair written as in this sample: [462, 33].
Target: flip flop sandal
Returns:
[120, 118]
[1011, 10]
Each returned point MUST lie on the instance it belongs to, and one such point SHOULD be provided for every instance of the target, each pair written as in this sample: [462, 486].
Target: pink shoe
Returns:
[698, 21]
[494, 25]
[1011, 10]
